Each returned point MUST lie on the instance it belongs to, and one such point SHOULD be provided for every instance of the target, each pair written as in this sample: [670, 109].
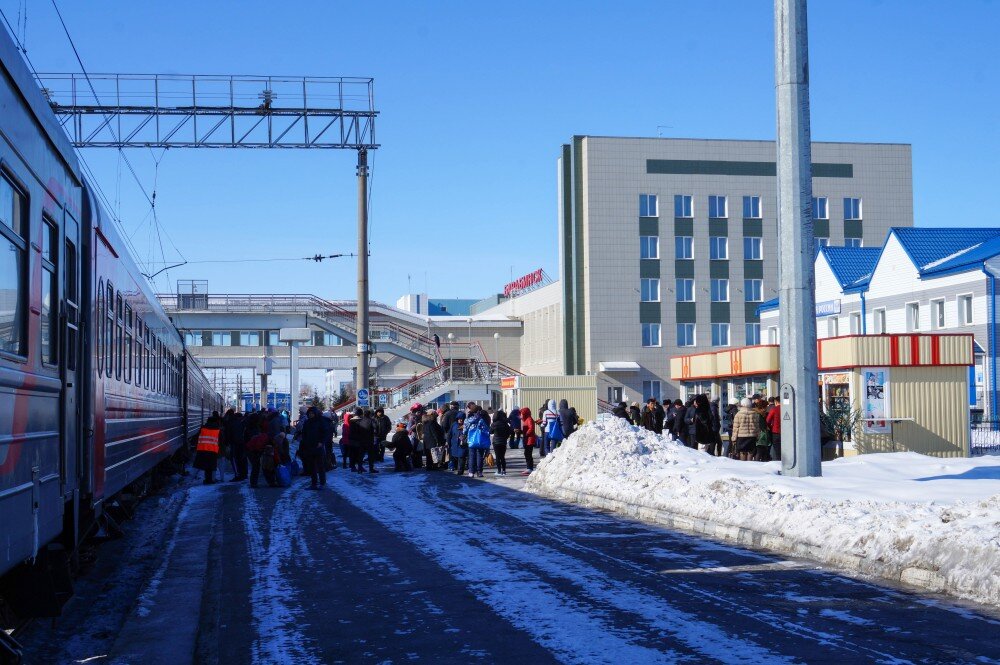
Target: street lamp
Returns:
[496, 338]
[451, 359]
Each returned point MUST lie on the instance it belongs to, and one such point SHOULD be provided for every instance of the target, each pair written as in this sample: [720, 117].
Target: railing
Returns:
[985, 438]
[603, 406]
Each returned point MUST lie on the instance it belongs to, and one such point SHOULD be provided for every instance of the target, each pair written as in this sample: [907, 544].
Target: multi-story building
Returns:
[921, 280]
[668, 246]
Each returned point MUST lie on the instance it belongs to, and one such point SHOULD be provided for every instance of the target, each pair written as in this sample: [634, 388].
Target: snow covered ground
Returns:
[933, 521]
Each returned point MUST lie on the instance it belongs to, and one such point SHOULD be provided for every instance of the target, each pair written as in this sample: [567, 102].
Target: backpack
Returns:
[267, 458]
[555, 430]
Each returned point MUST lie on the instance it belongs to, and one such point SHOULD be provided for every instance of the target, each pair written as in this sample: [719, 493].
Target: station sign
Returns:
[828, 308]
[524, 283]
[363, 398]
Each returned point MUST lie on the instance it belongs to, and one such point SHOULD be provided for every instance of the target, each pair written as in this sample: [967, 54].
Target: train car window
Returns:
[50, 292]
[119, 344]
[13, 272]
[109, 331]
[71, 297]
[128, 344]
[100, 328]
[138, 350]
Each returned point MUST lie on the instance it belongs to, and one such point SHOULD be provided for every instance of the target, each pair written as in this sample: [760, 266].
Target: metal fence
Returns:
[985, 439]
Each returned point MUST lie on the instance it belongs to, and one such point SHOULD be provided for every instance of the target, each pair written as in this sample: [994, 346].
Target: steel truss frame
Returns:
[207, 111]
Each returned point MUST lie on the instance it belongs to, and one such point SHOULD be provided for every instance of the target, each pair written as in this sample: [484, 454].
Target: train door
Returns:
[71, 340]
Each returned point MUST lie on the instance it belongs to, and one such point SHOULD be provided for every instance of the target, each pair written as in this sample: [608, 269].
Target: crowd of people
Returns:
[748, 429]
[468, 440]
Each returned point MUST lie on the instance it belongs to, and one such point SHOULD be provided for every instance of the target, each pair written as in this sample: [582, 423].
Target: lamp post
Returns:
[451, 359]
[496, 338]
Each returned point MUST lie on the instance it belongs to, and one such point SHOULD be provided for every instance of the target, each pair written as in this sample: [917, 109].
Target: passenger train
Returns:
[96, 387]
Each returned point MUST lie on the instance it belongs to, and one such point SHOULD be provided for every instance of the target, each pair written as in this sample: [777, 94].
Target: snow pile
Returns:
[925, 519]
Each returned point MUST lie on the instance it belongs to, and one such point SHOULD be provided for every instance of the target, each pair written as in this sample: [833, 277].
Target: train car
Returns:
[95, 383]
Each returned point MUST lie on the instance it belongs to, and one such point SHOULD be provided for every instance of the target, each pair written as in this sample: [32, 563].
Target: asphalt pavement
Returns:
[430, 567]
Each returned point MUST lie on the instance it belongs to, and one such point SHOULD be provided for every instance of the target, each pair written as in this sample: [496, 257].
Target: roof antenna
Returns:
[660, 128]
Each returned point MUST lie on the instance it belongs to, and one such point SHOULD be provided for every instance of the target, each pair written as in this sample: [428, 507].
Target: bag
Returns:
[489, 461]
[437, 454]
[478, 436]
[555, 432]
[284, 475]
[267, 458]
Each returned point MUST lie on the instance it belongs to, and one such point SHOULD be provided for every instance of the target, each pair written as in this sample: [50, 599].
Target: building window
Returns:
[249, 338]
[937, 314]
[720, 334]
[852, 209]
[751, 207]
[833, 327]
[753, 290]
[772, 335]
[649, 247]
[752, 334]
[965, 310]
[912, 317]
[192, 338]
[753, 249]
[685, 334]
[821, 207]
[683, 206]
[272, 338]
[329, 339]
[718, 248]
[685, 290]
[647, 205]
[718, 207]
[821, 242]
[720, 290]
[649, 289]
[650, 390]
[855, 321]
[684, 247]
[222, 339]
[13, 275]
[651, 334]
[879, 321]
[853, 242]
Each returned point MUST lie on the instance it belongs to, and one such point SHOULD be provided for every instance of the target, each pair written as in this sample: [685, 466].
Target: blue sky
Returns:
[475, 100]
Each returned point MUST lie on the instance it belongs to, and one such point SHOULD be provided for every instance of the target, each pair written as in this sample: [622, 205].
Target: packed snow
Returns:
[901, 509]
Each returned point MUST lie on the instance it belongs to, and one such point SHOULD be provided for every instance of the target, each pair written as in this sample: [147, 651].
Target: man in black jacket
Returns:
[621, 411]
[383, 426]
[362, 437]
[311, 447]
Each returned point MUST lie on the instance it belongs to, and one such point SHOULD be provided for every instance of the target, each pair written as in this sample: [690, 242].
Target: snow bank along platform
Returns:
[919, 520]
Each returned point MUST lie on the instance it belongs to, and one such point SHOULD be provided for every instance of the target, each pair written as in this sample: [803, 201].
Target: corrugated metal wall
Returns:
[579, 390]
[936, 398]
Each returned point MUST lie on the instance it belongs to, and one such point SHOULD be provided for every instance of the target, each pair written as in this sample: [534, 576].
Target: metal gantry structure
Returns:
[223, 111]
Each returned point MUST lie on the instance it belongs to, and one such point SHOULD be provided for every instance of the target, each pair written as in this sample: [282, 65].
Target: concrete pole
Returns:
[362, 329]
[263, 391]
[293, 379]
[800, 450]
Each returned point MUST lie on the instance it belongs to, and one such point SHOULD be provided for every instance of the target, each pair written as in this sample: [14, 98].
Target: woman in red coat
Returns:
[528, 436]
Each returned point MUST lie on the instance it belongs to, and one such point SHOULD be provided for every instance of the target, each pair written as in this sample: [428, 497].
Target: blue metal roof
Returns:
[928, 247]
[767, 306]
[850, 264]
[972, 258]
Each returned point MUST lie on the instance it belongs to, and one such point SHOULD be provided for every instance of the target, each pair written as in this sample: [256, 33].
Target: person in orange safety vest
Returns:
[206, 456]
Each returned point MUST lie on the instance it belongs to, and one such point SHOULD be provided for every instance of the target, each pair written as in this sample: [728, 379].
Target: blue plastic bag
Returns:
[284, 474]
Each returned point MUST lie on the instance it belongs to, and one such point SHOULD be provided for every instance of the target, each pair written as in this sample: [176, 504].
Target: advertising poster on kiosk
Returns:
[875, 400]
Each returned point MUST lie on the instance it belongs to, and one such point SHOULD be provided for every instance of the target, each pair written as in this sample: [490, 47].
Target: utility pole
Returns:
[796, 279]
[362, 317]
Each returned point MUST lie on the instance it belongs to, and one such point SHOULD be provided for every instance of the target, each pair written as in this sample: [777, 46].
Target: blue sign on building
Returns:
[279, 401]
[828, 308]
